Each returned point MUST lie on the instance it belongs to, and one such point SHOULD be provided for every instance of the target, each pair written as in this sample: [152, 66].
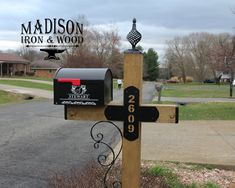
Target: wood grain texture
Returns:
[131, 152]
[167, 113]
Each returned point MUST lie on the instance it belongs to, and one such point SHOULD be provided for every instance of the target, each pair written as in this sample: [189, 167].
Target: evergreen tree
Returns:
[140, 48]
[151, 64]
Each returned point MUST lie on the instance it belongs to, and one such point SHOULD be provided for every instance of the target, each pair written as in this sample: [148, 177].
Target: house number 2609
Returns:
[131, 110]
[131, 106]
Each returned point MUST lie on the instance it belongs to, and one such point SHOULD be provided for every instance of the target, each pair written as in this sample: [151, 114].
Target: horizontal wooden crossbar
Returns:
[167, 113]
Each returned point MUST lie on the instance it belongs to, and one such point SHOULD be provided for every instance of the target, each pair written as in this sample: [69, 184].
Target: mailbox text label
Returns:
[73, 96]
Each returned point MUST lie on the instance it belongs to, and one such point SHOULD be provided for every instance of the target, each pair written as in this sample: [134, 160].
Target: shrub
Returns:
[88, 177]
[19, 73]
[189, 79]
[210, 185]
[160, 171]
[175, 78]
[30, 73]
[91, 176]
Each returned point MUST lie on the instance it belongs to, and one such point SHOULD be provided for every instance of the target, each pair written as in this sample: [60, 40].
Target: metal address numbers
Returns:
[131, 109]
[131, 113]
[131, 117]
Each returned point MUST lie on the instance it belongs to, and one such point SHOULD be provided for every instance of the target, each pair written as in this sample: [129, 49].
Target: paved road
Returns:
[35, 141]
[147, 96]
[195, 100]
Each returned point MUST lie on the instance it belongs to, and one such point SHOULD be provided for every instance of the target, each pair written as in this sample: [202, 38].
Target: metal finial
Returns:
[133, 36]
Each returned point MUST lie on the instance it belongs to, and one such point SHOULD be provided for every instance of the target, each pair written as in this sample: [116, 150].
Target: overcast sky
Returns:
[157, 20]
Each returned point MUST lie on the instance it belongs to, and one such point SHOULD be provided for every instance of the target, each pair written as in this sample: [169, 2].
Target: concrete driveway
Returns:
[210, 142]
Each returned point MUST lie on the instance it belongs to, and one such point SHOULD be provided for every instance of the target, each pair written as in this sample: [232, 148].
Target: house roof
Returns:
[46, 64]
[12, 58]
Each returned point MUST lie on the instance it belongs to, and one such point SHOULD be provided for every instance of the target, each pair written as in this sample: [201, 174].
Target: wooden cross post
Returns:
[132, 113]
[131, 152]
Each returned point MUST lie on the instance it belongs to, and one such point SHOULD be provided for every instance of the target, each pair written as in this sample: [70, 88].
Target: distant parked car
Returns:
[209, 81]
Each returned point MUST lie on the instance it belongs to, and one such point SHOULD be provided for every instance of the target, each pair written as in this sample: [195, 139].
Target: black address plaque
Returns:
[131, 110]
[131, 113]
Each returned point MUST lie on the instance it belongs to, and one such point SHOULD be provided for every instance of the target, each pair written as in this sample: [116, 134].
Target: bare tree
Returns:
[200, 55]
[29, 53]
[176, 54]
[199, 45]
[101, 48]
[221, 49]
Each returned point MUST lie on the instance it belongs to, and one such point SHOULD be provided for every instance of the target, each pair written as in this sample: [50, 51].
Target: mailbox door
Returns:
[88, 93]
[87, 87]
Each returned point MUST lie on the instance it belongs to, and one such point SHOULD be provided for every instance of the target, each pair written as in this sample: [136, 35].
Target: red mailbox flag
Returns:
[75, 82]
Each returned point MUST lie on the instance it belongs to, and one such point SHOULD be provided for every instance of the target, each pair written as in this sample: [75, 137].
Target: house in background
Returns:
[12, 64]
[45, 68]
[225, 76]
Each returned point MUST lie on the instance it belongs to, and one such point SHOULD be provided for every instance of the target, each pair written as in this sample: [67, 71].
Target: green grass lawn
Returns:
[207, 111]
[27, 84]
[196, 90]
[172, 179]
[7, 97]
[115, 85]
[33, 78]
[30, 84]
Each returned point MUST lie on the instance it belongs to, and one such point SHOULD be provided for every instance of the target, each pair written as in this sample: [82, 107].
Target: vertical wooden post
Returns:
[1, 69]
[25, 69]
[7, 69]
[131, 153]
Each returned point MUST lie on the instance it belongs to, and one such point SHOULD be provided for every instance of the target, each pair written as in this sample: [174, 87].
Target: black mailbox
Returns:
[83, 86]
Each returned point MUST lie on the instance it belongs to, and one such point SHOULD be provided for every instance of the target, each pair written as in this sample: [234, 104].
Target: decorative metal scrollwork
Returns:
[102, 158]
